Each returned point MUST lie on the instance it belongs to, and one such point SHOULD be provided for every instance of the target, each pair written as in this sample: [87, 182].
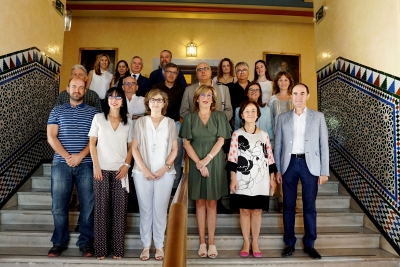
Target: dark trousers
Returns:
[111, 202]
[298, 169]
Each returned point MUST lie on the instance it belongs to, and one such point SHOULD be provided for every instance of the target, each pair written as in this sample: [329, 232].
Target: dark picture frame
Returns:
[88, 55]
[277, 62]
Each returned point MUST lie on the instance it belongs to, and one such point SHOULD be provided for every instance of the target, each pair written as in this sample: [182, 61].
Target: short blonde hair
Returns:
[202, 89]
[151, 94]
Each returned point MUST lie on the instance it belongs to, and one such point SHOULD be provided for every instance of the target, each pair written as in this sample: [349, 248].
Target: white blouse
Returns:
[112, 146]
[266, 88]
[101, 83]
[154, 145]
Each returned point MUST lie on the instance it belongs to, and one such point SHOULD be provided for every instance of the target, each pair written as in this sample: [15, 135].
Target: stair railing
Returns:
[176, 240]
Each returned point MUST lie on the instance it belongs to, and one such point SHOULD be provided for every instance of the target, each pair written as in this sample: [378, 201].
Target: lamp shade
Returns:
[191, 50]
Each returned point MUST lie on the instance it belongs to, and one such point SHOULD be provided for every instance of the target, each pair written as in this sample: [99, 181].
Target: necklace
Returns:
[226, 80]
[255, 129]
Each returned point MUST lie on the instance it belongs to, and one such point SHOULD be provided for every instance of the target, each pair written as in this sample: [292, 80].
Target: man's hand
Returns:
[74, 160]
[322, 179]
[279, 177]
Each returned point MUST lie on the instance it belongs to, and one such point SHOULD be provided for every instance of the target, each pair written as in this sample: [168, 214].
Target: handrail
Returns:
[176, 240]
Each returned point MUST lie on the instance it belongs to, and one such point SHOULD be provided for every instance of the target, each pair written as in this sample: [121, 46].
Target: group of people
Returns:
[246, 139]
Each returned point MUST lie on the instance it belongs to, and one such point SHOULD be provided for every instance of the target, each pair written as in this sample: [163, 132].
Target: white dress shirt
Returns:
[137, 75]
[136, 106]
[299, 131]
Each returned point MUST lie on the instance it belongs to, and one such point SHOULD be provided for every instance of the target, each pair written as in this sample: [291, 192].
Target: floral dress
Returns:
[251, 157]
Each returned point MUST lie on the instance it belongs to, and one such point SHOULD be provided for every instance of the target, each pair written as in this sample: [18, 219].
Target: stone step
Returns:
[39, 196]
[42, 215]
[331, 187]
[228, 239]
[46, 169]
[41, 181]
[370, 257]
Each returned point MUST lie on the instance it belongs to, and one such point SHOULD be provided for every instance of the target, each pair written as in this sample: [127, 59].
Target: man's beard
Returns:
[76, 98]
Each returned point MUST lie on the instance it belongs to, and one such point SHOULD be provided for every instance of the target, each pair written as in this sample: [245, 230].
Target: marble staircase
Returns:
[345, 238]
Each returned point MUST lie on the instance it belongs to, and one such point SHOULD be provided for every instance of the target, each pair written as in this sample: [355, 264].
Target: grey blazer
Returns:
[187, 100]
[316, 146]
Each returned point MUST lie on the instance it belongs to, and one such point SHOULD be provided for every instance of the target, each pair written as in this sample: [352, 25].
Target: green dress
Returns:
[203, 138]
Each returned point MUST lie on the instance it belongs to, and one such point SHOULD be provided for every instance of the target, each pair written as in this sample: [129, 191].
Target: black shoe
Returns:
[312, 252]
[56, 251]
[288, 251]
[87, 251]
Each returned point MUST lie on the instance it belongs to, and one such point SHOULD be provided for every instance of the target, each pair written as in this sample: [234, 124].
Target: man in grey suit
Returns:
[203, 73]
[301, 151]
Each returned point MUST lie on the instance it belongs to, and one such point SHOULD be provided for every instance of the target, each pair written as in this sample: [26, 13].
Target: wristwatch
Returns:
[127, 165]
[169, 166]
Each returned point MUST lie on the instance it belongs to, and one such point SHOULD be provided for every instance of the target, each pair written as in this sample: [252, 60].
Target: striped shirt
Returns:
[73, 128]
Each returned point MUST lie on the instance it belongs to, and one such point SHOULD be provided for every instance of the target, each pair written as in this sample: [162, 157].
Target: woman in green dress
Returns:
[204, 132]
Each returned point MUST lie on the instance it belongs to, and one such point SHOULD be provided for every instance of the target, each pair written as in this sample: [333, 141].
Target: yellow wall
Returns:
[367, 32]
[27, 23]
[146, 37]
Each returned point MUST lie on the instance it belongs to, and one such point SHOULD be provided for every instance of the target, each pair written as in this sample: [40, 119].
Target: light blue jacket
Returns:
[316, 148]
[265, 122]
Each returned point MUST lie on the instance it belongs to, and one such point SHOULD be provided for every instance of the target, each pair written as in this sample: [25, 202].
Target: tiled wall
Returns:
[362, 113]
[29, 84]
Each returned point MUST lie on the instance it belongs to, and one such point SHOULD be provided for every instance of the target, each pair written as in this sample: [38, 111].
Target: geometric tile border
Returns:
[362, 111]
[381, 80]
[29, 85]
[19, 58]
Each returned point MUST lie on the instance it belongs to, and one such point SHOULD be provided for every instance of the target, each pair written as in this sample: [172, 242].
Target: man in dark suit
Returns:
[142, 81]
[158, 75]
[301, 152]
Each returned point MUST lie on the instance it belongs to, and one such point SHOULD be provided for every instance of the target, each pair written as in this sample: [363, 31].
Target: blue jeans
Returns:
[63, 178]
[296, 170]
[179, 157]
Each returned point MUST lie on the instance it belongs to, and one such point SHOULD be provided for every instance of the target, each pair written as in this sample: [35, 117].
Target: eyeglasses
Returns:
[242, 70]
[130, 83]
[116, 97]
[254, 90]
[206, 95]
[171, 72]
[203, 69]
[158, 100]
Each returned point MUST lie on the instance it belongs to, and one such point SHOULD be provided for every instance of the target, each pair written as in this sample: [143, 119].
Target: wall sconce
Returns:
[191, 50]
[67, 20]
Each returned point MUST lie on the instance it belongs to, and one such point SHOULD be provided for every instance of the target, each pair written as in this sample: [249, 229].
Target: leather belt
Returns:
[299, 156]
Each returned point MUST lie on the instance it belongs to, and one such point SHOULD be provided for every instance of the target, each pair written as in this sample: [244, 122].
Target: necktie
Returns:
[134, 76]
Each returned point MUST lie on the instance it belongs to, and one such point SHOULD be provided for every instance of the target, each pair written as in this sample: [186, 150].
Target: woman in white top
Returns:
[225, 73]
[281, 102]
[261, 75]
[99, 79]
[110, 141]
[154, 148]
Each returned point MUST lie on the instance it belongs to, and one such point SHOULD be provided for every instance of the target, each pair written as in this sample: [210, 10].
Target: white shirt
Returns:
[266, 88]
[101, 83]
[299, 131]
[111, 145]
[137, 75]
[157, 144]
[136, 106]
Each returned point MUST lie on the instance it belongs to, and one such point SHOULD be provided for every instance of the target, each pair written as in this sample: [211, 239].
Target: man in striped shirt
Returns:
[67, 133]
